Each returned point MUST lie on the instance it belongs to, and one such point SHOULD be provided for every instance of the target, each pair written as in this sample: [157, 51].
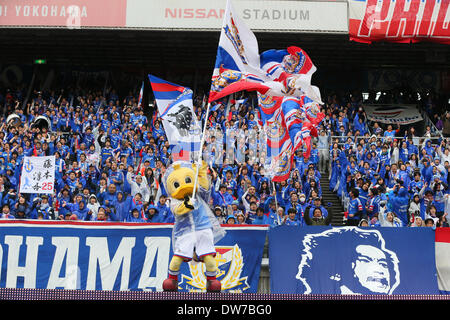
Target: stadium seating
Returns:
[102, 144]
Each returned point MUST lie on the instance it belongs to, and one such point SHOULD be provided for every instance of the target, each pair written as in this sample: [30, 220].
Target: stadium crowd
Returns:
[110, 157]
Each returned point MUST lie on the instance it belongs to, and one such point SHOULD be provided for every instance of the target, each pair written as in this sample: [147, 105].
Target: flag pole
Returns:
[201, 151]
[276, 202]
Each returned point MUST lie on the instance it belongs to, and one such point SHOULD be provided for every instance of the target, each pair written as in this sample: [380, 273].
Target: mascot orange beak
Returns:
[184, 190]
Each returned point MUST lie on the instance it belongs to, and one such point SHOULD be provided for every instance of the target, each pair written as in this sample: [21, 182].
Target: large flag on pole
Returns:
[301, 115]
[175, 108]
[230, 81]
[294, 69]
[240, 67]
[279, 162]
[237, 54]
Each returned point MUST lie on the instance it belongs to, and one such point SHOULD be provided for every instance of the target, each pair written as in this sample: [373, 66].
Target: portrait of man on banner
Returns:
[368, 267]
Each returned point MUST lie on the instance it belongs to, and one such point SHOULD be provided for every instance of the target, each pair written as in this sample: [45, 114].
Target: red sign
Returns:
[63, 13]
[399, 20]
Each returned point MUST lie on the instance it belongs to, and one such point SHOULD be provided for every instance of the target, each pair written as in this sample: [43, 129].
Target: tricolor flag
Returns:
[312, 110]
[175, 108]
[277, 83]
[279, 146]
[280, 64]
[239, 66]
[442, 248]
[295, 117]
[294, 69]
[237, 54]
[301, 116]
[141, 95]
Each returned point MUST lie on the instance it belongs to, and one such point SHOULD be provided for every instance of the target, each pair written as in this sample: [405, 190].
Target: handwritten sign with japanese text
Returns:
[38, 175]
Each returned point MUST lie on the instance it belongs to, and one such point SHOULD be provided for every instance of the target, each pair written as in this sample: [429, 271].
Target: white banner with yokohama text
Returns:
[38, 175]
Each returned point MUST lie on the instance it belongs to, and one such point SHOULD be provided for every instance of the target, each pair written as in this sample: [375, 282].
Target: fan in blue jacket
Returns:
[164, 210]
[400, 203]
[80, 210]
[122, 206]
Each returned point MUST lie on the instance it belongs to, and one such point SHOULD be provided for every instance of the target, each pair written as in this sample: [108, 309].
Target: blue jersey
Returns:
[261, 220]
[415, 186]
[373, 206]
[354, 207]
[400, 204]
[294, 222]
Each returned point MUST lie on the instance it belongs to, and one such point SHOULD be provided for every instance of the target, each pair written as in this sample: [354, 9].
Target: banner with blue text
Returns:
[352, 260]
[118, 256]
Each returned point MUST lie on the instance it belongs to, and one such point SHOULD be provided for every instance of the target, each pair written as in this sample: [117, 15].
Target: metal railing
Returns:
[420, 139]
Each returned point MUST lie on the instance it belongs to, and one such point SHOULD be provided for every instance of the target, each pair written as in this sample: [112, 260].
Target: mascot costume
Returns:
[195, 230]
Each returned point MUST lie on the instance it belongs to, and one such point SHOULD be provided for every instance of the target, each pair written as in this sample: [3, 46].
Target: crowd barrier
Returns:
[125, 257]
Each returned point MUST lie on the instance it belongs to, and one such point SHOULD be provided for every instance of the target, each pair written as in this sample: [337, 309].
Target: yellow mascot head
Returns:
[180, 181]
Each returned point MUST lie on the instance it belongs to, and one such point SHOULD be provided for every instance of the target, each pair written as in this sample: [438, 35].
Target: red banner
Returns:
[402, 21]
[63, 13]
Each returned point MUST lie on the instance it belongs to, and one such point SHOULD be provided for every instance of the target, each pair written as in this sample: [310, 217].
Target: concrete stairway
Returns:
[330, 196]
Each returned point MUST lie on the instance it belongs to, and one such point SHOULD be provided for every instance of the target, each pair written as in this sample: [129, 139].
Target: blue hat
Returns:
[231, 216]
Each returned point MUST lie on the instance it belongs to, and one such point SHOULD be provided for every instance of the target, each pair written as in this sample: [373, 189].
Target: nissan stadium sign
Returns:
[258, 15]
[270, 15]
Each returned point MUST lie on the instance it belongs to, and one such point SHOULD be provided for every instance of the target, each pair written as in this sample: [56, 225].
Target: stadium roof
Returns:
[184, 50]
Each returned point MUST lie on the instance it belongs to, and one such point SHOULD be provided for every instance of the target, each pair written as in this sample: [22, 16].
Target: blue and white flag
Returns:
[352, 260]
[237, 54]
[175, 108]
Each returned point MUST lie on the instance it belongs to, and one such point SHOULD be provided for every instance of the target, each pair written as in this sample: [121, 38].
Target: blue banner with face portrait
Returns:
[119, 256]
[352, 260]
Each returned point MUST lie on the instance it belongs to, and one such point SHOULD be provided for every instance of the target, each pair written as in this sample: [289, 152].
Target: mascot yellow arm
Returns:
[203, 180]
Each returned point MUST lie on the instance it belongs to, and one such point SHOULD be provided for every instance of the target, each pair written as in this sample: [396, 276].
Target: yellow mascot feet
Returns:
[212, 284]
[171, 283]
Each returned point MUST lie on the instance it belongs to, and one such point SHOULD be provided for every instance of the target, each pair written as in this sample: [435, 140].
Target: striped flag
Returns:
[175, 108]
[301, 122]
[442, 248]
[279, 146]
[240, 67]
[141, 95]
[237, 54]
